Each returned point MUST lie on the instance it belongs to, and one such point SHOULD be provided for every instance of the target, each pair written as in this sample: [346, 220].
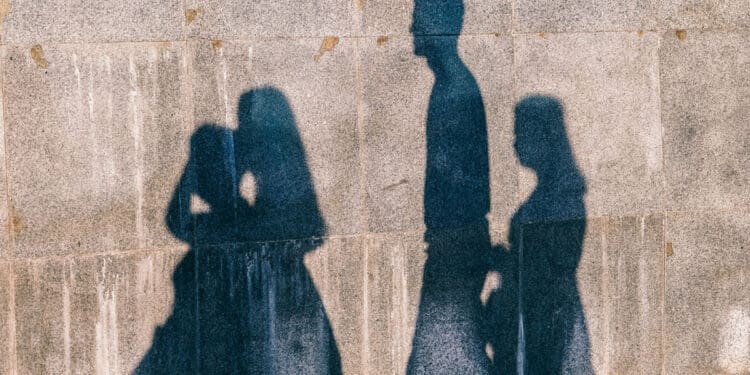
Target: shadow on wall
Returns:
[242, 306]
[455, 332]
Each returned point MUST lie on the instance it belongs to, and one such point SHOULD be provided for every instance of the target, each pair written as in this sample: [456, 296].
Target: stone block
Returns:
[619, 277]
[7, 320]
[62, 21]
[394, 278]
[704, 14]
[92, 314]
[5, 216]
[288, 110]
[395, 18]
[287, 306]
[705, 110]
[232, 19]
[584, 16]
[316, 79]
[607, 85]
[396, 87]
[87, 170]
[707, 301]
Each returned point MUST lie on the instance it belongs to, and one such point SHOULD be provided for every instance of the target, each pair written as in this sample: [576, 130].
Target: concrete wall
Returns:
[100, 99]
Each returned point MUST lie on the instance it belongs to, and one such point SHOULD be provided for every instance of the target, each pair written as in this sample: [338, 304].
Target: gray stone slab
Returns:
[287, 307]
[397, 87]
[395, 17]
[316, 78]
[7, 226]
[30, 21]
[7, 320]
[704, 14]
[288, 108]
[707, 321]
[87, 173]
[619, 278]
[232, 19]
[705, 110]
[584, 16]
[607, 87]
[394, 279]
[90, 314]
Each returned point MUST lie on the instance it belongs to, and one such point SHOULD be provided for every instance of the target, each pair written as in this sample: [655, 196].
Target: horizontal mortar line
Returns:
[171, 249]
[367, 36]
[186, 247]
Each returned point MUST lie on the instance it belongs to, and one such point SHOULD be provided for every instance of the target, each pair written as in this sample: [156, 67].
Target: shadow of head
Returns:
[540, 137]
[436, 25]
[267, 145]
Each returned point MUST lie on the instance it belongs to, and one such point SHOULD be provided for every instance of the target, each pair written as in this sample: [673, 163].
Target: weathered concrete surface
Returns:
[584, 16]
[89, 168]
[705, 111]
[100, 101]
[56, 21]
[89, 314]
[707, 301]
[7, 320]
[608, 85]
[223, 19]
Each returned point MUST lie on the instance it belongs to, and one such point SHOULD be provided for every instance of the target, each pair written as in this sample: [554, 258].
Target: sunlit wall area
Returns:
[375, 187]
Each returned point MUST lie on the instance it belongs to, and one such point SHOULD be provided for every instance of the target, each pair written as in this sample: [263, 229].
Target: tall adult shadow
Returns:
[539, 270]
[244, 302]
[448, 336]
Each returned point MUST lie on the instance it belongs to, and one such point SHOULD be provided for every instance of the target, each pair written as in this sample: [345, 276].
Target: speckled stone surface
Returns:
[608, 87]
[705, 308]
[60, 21]
[705, 111]
[80, 175]
[92, 313]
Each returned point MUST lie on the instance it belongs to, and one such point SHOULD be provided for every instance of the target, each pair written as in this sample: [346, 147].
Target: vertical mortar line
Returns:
[665, 211]
[362, 154]
[9, 222]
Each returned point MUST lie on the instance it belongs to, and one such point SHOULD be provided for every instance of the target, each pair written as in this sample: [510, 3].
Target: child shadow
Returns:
[538, 271]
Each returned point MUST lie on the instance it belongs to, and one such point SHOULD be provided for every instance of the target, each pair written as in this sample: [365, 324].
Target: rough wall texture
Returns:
[110, 261]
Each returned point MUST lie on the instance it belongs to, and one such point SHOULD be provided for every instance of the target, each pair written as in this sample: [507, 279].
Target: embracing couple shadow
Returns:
[533, 321]
[244, 301]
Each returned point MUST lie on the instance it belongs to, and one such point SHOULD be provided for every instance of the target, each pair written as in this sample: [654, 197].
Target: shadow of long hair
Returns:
[244, 304]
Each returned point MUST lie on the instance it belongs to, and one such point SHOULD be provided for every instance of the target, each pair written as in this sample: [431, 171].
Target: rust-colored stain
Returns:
[681, 34]
[192, 13]
[165, 44]
[329, 43]
[497, 35]
[382, 40]
[37, 54]
[541, 35]
[670, 250]
[4, 9]
[640, 33]
[217, 44]
[15, 221]
[360, 4]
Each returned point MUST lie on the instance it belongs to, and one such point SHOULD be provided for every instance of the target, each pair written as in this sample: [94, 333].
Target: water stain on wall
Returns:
[37, 54]
[217, 45]
[192, 13]
[329, 43]
[4, 9]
